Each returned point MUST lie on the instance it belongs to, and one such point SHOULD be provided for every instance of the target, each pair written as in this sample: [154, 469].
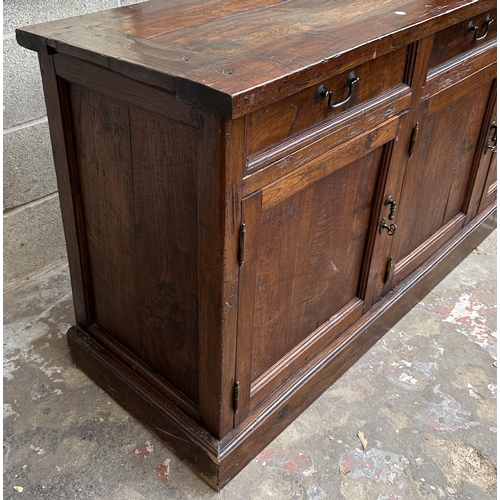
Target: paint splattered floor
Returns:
[424, 398]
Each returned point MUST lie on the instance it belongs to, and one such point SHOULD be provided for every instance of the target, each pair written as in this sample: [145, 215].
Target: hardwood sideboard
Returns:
[254, 192]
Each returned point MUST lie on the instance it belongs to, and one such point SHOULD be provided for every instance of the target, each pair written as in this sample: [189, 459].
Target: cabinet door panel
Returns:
[438, 179]
[490, 188]
[488, 161]
[312, 246]
[306, 261]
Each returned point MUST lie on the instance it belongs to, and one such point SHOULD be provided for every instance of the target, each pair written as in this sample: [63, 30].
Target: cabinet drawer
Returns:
[271, 124]
[463, 37]
[290, 154]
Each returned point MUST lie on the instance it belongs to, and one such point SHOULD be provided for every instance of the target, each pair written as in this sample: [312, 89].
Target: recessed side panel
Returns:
[138, 186]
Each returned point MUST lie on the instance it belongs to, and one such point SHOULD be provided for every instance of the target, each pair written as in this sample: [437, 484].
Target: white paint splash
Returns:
[468, 315]
[493, 390]
[39, 451]
[8, 411]
[439, 350]
[378, 465]
[29, 355]
[50, 370]
[19, 335]
[473, 392]
[445, 416]
[315, 492]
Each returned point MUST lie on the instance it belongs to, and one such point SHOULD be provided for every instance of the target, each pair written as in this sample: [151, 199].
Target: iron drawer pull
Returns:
[322, 92]
[475, 29]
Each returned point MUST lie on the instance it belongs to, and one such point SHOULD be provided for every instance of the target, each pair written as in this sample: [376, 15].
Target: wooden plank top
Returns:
[230, 57]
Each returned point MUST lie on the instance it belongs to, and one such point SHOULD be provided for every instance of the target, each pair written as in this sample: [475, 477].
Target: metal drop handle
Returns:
[392, 202]
[472, 27]
[322, 91]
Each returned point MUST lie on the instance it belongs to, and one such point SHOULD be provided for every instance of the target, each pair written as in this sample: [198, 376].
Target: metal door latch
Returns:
[390, 229]
[492, 147]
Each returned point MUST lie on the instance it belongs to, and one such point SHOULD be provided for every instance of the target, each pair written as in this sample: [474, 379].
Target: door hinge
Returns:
[242, 242]
[388, 269]
[236, 396]
[413, 140]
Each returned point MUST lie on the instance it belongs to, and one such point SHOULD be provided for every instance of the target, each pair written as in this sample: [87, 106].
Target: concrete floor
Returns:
[424, 398]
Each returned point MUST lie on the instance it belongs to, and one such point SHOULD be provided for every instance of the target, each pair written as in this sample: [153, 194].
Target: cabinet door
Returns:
[488, 163]
[439, 177]
[489, 195]
[309, 238]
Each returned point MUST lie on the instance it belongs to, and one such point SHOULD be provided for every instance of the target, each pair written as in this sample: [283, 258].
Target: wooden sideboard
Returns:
[254, 192]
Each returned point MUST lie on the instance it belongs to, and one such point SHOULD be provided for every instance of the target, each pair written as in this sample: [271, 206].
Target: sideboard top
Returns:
[230, 57]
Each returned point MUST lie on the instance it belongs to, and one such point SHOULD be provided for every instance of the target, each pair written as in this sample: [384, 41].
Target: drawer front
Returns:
[463, 37]
[280, 120]
[291, 154]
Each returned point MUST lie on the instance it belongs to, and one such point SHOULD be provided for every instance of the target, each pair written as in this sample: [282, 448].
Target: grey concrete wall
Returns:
[33, 234]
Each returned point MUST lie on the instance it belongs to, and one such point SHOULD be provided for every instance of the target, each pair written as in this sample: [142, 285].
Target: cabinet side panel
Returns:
[164, 159]
[55, 92]
[138, 187]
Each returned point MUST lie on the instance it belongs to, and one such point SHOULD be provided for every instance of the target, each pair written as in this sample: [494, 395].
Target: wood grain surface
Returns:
[142, 257]
[232, 57]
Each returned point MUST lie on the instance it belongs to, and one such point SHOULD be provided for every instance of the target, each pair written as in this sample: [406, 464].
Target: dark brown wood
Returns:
[142, 256]
[469, 64]
[56, 99]
[457, 39]
[118, 87]
[144, 371]
[149, 20]
[375, 265]
[327, 163]
[282, 119]
[490, 188]
[194, 445]
[416, 74]
[176, 123]
[217, 64]
[441, 172]
[297, 297]
[460, 89]
[483, 191]
[218, 210]
[279, 159]
[251, 212]
[422, 252]
[488, 154]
